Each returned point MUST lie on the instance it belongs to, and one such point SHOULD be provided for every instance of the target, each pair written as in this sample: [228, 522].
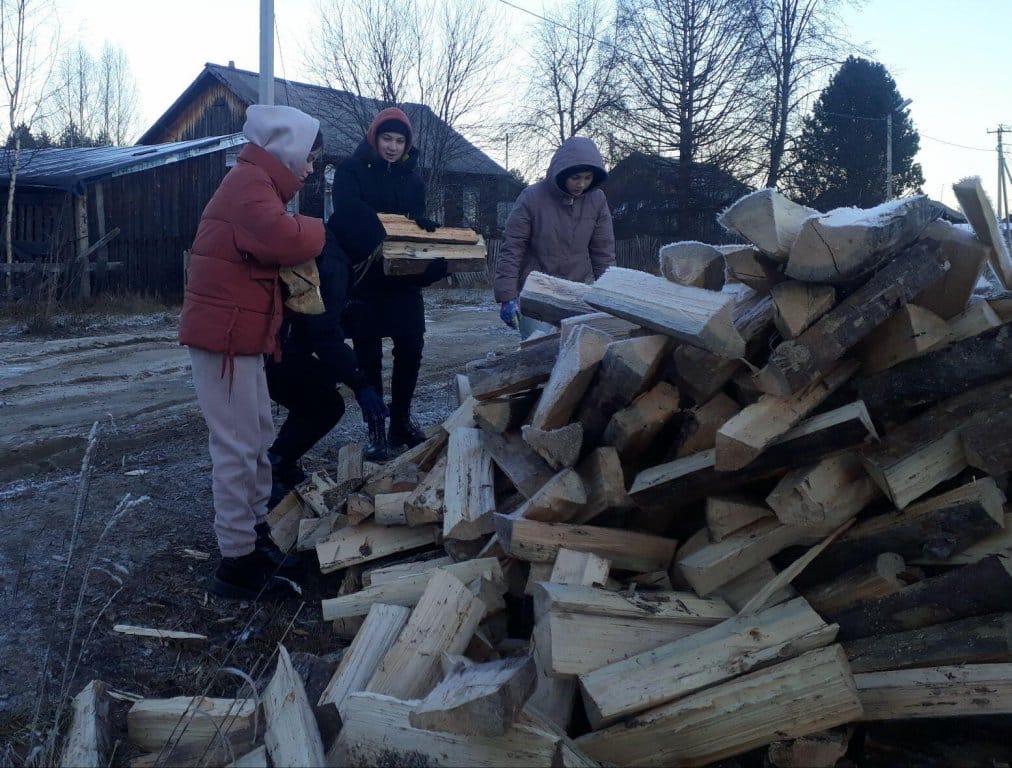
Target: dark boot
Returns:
[405, 431]
[285, 475]
[286, 565]
[250, 577]
[377, 448]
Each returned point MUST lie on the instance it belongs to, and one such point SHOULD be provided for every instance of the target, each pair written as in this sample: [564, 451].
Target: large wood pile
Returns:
[741, 507]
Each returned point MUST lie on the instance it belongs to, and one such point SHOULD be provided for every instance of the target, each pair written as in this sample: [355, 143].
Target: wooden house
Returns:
[473, 186]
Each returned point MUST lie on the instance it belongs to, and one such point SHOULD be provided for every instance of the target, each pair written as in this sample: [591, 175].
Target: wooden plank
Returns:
[405, 258]
[443, 621]
[158, 634]
[527, 471]
[977, 640]
[799, 362]
[980, 213]
[551, 299]
[560, 500]
[747, 434]
[768, 220]
[361, 543]
[797, 305]
[909, 333]
[577, 363]
[469, 496]
[844, 245]
[512, 372]
[291, 734]
[972, 590]
[478, 699]
[954, 691]
[823, 496]
[693, 315]
[883, 575]
[627, 550]
[967, 256]
[399, 227]
[692, 263]
[89, 735]
[381, 628]
[812, 692]
[709, 657]
[407, 590]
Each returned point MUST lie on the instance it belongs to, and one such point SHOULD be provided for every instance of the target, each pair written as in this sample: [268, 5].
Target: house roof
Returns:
[341, 130]
[71, 169]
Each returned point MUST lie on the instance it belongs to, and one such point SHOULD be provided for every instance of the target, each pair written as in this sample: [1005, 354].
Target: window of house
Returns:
[328, 188]
[470, 207]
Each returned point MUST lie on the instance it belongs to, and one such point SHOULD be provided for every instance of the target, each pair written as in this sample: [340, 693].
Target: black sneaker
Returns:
[249, 577]
[286, 565]
[285, 475]
[377, 449]
[405, 431]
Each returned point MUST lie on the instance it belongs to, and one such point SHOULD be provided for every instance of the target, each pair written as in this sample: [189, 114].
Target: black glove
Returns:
[373, 408]
[427, 224]
[435, 271]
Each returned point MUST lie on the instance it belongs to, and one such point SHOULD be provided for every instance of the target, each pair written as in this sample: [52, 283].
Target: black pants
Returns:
[407, 363]
[314, 404]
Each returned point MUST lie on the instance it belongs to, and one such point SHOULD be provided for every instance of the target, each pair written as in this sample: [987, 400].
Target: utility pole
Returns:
[266, 90]
[1002, 203]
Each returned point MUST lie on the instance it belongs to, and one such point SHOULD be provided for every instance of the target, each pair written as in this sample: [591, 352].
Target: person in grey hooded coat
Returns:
[560, 226]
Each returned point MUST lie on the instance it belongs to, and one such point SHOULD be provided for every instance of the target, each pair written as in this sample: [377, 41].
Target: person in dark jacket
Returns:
[382, 173]
[314, 355]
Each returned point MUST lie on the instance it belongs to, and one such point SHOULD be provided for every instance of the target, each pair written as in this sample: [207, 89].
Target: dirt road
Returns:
[131, 376]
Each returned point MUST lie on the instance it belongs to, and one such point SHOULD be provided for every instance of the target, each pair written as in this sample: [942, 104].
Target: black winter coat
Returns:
[303, 335]
[381, 305]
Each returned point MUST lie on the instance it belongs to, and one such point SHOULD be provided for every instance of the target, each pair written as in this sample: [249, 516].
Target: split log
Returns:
[692, 263]
[846, 243]
[995, 544]
[768, 220]
[797, 305]
[387, 573]
[936, 528]
[580, 568]
[693, 315]
[881, 576]
[540, 542]
[469, 495]
[810, 693]
[90, 734]
[633, 430]
[479, 699]
[291, 734]
[741, 589]
[977, 640]
[578, 361]
[694, 477]
[527, 471]
[560, 500]
[972, 590]
[462, 387]
[284, 520]
[701, 374]
[550, 299]
[709, 657]
[360, 508]
[361, 543]
[185, 729]
[559, 447]
[407, 590]
[928, 450]
[825, 495]
[425, 504]
[701, 424]
[254, 759]
[799, 362]
[350, 457]
[615, 327]
[314, 530]
[407, 258]
[604, 483]
[987, 443]
[974, 689]
[444, 619]
[897, 394]
[504, 414]
[463, 416]
[980, 213]
[976, 319]
[909, 333]
[967, 257]
[728, 514]
[752, 316]
[823, 749]
[401, 228]
[512, 372]
[401, 473]
[389, 508]
[751, 267]
[628, 368]
[159, 634]
[746, 435]
[718, 562]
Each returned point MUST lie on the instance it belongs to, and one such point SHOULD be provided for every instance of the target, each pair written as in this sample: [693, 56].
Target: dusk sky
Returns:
[950, 58]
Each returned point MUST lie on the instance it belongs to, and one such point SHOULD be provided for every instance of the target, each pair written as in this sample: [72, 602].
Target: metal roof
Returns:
[341, 131]
[72, 169]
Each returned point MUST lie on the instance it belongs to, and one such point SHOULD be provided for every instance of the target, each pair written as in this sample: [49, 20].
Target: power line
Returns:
[953, 144]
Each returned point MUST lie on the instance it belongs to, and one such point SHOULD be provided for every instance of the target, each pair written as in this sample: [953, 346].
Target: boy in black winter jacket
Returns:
[314, 355]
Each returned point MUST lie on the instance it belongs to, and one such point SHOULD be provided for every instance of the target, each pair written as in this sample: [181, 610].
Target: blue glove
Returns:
[373, 408]
[509, 311]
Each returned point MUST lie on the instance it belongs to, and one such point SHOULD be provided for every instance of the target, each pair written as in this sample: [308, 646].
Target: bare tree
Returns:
[797, 39]
[436, 60]
[117, 96]
[29, 39]
[75, 98]
[694, 72]
[575, 84]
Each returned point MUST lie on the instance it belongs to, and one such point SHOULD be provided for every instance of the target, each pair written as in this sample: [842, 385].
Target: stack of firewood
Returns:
[746, 504]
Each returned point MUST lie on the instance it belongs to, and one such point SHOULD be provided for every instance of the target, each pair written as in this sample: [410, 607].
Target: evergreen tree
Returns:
[842, 151]
[27, 140]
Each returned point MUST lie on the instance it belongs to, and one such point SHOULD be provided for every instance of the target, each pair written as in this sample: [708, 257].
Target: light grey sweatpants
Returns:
[240, 432]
